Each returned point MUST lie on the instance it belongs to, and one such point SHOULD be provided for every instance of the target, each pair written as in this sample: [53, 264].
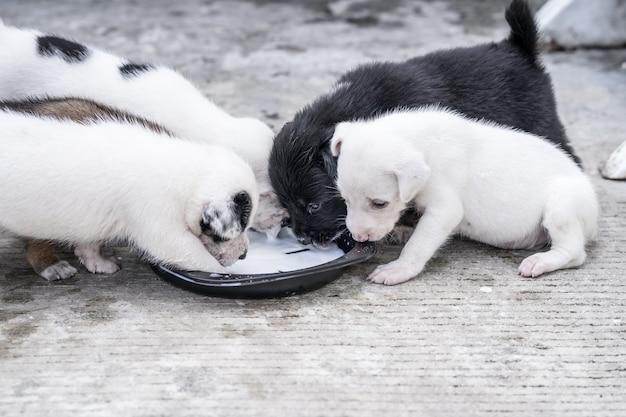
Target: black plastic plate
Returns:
[273, 285]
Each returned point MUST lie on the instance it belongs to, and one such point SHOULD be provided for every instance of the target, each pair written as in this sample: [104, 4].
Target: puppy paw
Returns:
[393, 273]
[533, 266]
[60, 270]
[99, 264]
[89, 255]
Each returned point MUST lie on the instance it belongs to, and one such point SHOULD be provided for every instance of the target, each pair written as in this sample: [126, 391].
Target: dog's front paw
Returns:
[393, 273]
[59, 270]
[100, 265]
[89, 255]
[533, 266]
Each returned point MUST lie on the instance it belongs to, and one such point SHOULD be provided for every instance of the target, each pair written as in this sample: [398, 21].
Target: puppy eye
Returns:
[313, 207]
[379, 204]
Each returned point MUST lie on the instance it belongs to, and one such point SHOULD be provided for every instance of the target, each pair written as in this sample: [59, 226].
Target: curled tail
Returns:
[524, 34]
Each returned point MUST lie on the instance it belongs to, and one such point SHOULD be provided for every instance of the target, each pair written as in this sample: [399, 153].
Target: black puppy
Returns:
[503, 82]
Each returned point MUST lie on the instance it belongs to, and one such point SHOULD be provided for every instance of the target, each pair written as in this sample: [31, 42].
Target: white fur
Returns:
[490, 183]
[614, 168]
[160, 95]
[84, 184]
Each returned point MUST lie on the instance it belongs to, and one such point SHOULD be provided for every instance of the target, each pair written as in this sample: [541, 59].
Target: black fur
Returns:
[243, 208]
[503, 82]
[69, 51]
[131, 70]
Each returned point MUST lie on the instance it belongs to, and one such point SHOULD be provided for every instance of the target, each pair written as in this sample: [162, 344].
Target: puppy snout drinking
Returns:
[243, 255]
[360, 236]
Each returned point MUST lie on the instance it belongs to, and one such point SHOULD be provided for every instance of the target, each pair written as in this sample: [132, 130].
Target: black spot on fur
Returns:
[132, 70]
[243, 208]
[69, 51]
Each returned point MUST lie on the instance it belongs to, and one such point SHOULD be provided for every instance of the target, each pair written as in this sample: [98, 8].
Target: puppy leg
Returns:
[184, 251]
[45, 262]
[567, 251]
[570, 218]
[89, 255]
[432, 230]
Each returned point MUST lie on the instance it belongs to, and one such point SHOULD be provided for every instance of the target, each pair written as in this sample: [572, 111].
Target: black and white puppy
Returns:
[503, 82]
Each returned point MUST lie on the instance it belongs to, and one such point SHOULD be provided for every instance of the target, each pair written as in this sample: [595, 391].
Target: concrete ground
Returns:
[467, 338]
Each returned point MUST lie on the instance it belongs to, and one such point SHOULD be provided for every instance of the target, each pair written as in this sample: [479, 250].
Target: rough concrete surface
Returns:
[467, 338]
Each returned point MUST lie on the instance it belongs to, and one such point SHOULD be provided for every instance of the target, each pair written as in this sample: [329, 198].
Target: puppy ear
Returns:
[242, 208]
[227, 220]
[335, 145]
[337, 139]
[412, 173]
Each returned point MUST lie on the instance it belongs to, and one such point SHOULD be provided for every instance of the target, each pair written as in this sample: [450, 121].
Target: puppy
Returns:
[503, 82]
[493, 184]
[41, 254]
[111, 181]
[34, 64]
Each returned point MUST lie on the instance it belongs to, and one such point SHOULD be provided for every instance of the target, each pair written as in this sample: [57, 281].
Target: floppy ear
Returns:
[337, 139]
[227, 220]
[335, 145]
[242, 208]
[412, 173]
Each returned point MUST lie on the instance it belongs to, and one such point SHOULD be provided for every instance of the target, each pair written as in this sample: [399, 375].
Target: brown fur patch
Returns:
[78, 110]
[40, 254]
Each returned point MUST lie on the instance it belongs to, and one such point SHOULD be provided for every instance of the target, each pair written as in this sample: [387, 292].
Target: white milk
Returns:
[281, 254]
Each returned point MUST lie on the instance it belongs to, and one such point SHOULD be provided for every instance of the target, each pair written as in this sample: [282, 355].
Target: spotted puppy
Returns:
[491, 183]
[110, 181]
[35, 64]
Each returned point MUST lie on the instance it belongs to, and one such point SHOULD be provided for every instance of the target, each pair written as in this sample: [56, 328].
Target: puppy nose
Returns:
[360, 237]
[243, 255]
[305, 240]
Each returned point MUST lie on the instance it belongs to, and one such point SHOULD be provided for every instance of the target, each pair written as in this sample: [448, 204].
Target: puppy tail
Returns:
[524, 33]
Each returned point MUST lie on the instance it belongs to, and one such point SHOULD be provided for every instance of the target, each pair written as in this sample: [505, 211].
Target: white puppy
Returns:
[110, 181]
[490, 183]
[34, 64]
